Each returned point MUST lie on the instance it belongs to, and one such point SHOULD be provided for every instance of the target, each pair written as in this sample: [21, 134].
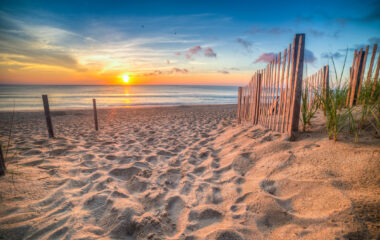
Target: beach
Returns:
[184, 172]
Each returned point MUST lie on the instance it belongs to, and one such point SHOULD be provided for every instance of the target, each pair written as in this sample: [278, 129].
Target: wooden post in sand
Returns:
[47, 116]
[326, 84]
[297, 71]
[239, 105]
[2, 162]
[356, 78]
[95, 114]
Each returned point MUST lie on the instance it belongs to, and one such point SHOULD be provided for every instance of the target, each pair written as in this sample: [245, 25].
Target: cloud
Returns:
[154, 73]
[309, 56]
[247, 45]
[373, 14]
[25, 47]
[195, 49]
[189, 53]
[268, 57]
[171, 71]
[332, 55]
[179, 70]
[167, 61]
[234, 69]
[208, 52]
[223, 72]
[374, 40]
[316, 33]
[371, 41]
[273, 31]
[265, 57]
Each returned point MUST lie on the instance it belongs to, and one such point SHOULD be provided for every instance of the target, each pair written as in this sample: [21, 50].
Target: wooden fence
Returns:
[357, 72]
[316, 85]
[272, 97]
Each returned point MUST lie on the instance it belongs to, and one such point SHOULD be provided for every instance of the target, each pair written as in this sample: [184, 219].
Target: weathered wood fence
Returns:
[316, 85]
[272, 97]
[357, 72]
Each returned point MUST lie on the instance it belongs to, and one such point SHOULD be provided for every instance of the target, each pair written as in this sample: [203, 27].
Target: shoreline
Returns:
[118, 107]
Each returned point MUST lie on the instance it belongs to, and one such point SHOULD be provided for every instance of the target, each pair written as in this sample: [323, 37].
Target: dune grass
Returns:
[308, 106]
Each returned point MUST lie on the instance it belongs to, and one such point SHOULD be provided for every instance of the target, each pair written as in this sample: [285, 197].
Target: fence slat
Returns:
[298, 71]
[239, 105]
[371, 65]
[352, 69]
[2, 162]
[282, 91]
[362, 70]
[95, 114]
[47, 115]
[376, 76]
[277, 99]
[356, 78]
[286, 108]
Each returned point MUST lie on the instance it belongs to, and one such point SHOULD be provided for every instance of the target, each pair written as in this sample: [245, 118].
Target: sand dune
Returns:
[184, 173]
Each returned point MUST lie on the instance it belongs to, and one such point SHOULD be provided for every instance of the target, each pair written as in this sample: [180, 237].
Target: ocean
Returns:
[28, 97]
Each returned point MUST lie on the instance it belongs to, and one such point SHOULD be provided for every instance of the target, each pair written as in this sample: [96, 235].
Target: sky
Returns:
[173, 42]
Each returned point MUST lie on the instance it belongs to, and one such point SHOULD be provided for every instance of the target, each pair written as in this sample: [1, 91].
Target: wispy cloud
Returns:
[271, 30]
[309, 56]
[265, 57]
[195, 49]
[270, 56]
[246, 44]
[335, 55]
[374, 40]
[21, 45]
[224, 72]
[208, 52]
[167, 72]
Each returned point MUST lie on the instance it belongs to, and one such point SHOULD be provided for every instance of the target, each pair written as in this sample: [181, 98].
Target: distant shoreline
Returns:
[116, 108]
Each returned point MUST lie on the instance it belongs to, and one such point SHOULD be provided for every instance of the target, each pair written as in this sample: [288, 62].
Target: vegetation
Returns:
[365, 115]
[308, 107]
[369, 114]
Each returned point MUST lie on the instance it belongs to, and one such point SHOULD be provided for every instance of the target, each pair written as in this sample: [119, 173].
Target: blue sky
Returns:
[169, 42]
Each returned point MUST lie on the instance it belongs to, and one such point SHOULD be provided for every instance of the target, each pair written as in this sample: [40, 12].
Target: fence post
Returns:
[326, 83]
[361, 73]
[376, 76]
[371, 64]
[2, 162]
[239, 105]
[297, 71]
[356, 78]
[47, 116]
[95, 114]
[258, 96]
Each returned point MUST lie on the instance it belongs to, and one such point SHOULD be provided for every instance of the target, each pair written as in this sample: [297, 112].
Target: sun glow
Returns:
[125, 78]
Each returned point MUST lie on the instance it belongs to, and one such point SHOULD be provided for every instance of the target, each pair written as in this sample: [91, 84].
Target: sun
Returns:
[125, 78]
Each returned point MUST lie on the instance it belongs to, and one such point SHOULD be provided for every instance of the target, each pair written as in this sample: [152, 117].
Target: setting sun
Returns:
[125, 78]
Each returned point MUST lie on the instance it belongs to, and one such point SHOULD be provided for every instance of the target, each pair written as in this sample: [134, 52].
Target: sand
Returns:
[184, 173]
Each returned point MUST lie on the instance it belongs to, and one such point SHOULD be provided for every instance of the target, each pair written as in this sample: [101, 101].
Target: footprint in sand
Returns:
[215, 197]
[170, 178]
[32, 152]
[124, 173]
[174, 208]
[136, 184]
[268, 186]
[203, 219]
